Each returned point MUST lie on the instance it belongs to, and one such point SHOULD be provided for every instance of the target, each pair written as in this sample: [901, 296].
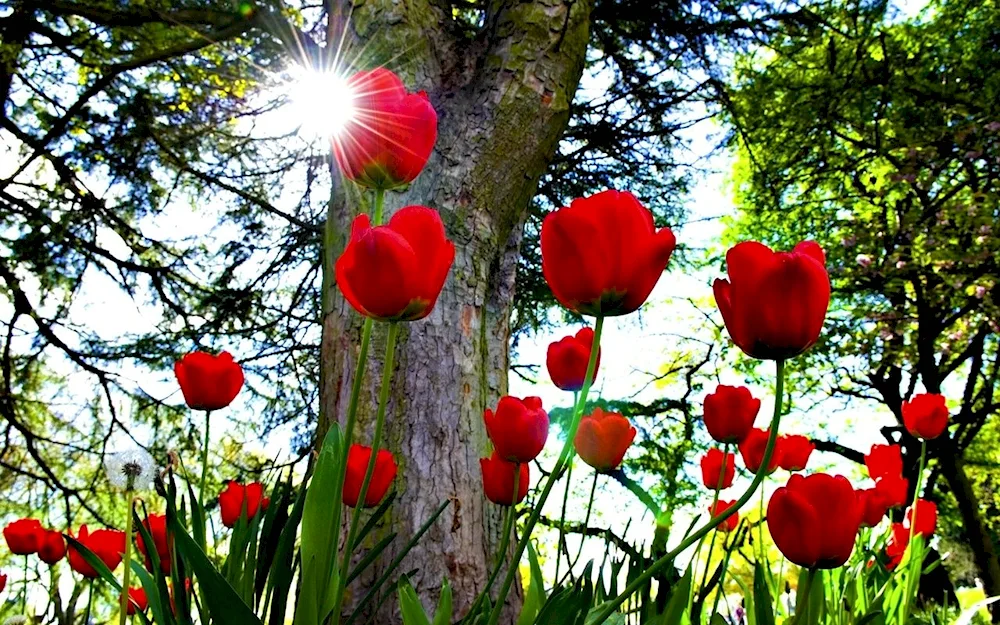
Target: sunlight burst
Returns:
[322, 102]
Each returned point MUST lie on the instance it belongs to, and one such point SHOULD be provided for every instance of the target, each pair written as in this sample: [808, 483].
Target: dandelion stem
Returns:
[127, 559]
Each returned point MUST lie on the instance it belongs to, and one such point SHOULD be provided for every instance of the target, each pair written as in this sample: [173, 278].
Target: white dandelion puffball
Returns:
[131, 470]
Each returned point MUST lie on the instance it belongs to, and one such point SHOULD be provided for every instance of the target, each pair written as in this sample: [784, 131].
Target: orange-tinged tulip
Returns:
[603, 438]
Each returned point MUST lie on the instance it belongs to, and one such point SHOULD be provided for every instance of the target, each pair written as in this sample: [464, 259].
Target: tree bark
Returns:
[503, 102]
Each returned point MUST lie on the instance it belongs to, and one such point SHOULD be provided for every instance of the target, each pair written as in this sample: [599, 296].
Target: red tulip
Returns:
[926, 415]
[883, 461]
[23, 536]
[107, 545]
[722, 508]
[567, 360]
[518, 429]
[730, 412]
[896, 546]
[752, 450]
[925, 521]
[814, 520]
[237, 499]
[873, 506]
[894, 490]
[156, 525]
[3, 581]
[208, 382]
[390, 135]
[774, 303]
[717, 466]
[51, 547]
[795, 452]
[357, 465]
[603, 438]
[396, 272]
[137, 601]
[498, 480]
[602, 255]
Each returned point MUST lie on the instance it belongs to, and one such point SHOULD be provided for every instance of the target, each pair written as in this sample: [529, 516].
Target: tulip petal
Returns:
[794, 526]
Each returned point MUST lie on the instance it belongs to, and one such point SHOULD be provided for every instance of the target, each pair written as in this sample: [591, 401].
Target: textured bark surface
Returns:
[503, 102]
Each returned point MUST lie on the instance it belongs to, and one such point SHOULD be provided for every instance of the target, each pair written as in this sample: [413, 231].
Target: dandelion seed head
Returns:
[131, 470]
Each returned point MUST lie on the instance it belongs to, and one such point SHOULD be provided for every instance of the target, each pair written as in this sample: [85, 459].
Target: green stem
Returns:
[564, 457]
[586, 522]
[562, 519]
[779, 593]
[90, 602]
[24, 588]
[802, 603]
[383, 400]
[722, 580]
[711, 512]
[641, 579]
[204, 461]
[911, 587]
[508, 525]
[127, 559]
[379, 206]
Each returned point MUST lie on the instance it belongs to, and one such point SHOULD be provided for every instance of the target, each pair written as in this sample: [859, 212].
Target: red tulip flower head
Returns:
[814, 520]
[357, 465]
[795, 452]
[156, 525]
[896, 546]
[3, 581]
[717, 466]
[926, 415]
[752, 449]
[774, 303]
[894, 490]
[730, 412]
[518, 428]
[884, 461]
[873, 506]
[137, 601]
[567, 360]
[108, 545]
[925, 521]
[390, 135]
[208, 382]
[396, 272]
[234, 501]
[23, 536]
[51, 547]
[602, 255]
[603, 438]
[722, 508]
[498, 480]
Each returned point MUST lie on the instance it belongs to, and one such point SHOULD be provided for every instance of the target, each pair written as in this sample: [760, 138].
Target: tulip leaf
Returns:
[718, 619]
[373, 520]
[159, 582]
[153, 596]
[442, 616]
[370, 557]
[762, 602]
[95, 562]
[534, 599]
[676, 610]
[224, 603]
[410, 606]
[279, 581]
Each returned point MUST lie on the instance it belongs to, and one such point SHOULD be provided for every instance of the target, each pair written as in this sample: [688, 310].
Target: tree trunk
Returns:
[503, 102]
[983, 548]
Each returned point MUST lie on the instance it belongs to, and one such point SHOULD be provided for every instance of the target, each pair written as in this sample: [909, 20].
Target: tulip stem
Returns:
[562, 519]
[90, 602]
[655, 567]
[383, 399]
[564, 457]
[204, 461]
[586, 522]
[711, 512]
[24, 588]
[911, 588]
[722, 579]
[508, 525]
[803, 605]
[379, 206]
[127, 559]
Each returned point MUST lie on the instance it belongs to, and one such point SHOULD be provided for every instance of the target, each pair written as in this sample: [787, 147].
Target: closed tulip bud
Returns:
[518, 428]
[156, 525]
[23, 536]
[208, 382]
[137, 601]
[752, 450]
[926, 415]
[396, 272]
[873, 506]
[814, 520]
[603, 438]
[730, 412]
[51, 547]
[924, 520]
[107, 545]
[238, 499]
[717, 467]
[727, 509]
[774, 303]
[498, 480]
[795, 452]
[390, 135]
[896, 546]
[884, 460]
[894, 490]
[567, 360]
[357, 465]
[602, 255]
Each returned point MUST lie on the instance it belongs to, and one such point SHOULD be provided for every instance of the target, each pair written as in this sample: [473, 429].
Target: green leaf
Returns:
[153, 594]
[98, 565]
[370, 557]
[373, 520]
[762, 603]
[410, 606]
[534, 598]
[279, 581]
[676, 610]
[718, 619]
[442, 616]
